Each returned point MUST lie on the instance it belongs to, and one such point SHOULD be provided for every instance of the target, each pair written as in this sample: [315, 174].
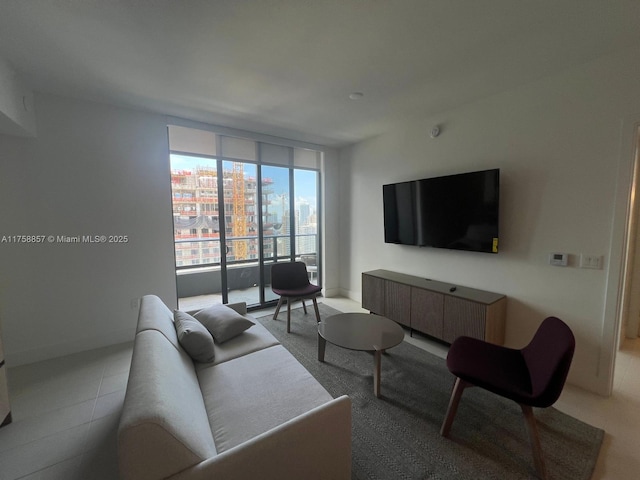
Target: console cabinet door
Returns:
[427, 312]
[463, 317]
[398, 302]
[373, 294]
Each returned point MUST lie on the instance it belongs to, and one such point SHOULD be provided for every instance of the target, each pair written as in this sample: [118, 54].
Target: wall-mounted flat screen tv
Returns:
[459, 212]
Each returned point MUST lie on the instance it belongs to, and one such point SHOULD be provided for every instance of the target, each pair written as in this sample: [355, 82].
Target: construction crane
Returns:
[239, 214]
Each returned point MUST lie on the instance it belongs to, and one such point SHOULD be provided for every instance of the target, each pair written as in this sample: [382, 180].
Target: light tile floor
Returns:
[66, 413]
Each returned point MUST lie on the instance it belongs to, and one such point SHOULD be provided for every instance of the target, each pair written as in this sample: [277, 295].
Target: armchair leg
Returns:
[315, 306]
[288, 315]
[534, 437]
[275, 315]
[456, 394]
[304, 306]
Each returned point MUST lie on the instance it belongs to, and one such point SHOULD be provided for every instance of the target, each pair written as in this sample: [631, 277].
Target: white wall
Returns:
[331, 210]
[16, 103]
[92, 170]
[565, 174]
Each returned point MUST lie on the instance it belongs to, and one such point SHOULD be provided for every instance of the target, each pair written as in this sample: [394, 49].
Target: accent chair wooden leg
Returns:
[275, 315]
[304, 306]
[456, 394]
[315, 306]
[288, 315]
[534, 437]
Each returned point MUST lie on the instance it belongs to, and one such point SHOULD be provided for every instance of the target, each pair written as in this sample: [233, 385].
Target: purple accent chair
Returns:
[290, 280]
[533, 376]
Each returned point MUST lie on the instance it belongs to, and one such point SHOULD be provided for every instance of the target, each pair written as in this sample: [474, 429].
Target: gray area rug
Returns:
[397, 436]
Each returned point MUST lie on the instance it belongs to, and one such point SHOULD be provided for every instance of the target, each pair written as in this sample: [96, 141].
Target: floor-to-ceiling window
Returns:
[239, 206]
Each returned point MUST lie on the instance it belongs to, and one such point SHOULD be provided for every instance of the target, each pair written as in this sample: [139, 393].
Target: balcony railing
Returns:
[270, 248]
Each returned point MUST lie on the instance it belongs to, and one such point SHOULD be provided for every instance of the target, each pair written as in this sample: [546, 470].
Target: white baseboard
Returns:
[331, 292]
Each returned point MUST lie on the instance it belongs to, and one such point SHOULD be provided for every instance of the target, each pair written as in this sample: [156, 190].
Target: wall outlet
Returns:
[135, 303]
[590, 261]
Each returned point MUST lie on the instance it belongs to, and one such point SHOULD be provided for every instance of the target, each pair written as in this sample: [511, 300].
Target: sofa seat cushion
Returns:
[254, 339]
[252, 394]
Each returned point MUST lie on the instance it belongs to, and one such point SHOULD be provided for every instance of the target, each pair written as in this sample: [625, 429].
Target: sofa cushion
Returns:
[223, 322]
[163, 429]
[193, 337]
[252, 394]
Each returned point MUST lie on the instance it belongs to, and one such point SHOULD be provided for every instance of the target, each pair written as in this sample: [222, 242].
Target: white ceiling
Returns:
[287, 67]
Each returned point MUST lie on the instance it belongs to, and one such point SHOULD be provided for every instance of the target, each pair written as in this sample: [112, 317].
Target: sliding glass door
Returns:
[242, 239]
[276, 223]
[196, 227]
[306, 183]
[235, 216]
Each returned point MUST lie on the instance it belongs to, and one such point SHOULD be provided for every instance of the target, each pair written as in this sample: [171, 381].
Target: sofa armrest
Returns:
[313, 446]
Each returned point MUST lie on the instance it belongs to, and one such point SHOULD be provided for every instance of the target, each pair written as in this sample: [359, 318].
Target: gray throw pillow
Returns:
[193, 337]
[223, 322]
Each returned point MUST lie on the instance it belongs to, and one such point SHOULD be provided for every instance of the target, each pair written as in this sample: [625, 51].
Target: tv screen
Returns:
[459, 212]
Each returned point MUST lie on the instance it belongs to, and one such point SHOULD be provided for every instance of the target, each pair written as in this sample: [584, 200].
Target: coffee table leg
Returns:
[322, 343]
[377, 358]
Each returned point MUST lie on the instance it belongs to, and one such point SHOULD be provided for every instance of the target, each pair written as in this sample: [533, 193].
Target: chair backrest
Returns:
[289, 275]
[548, 357]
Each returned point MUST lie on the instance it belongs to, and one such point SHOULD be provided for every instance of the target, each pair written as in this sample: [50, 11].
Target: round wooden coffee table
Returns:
[360, 331]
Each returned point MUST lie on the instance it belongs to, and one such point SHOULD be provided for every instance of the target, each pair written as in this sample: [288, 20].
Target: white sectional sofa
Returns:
[254, 412]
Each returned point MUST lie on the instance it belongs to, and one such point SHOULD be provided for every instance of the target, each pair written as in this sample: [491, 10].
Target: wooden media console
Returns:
[441, 310]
